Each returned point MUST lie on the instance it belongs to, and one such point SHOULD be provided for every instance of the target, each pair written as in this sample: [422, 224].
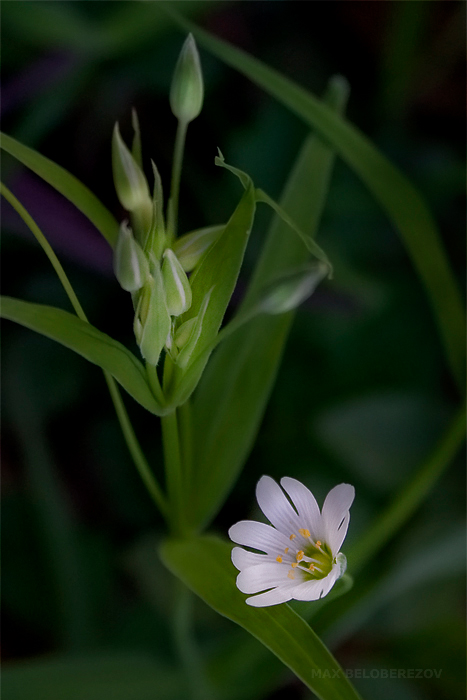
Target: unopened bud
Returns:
[184, 331]
[187, 91]
[130, 181]
[291, 290]
[191, 247]
[130, 263]
[154, 318]
[190, 347]
[176, 285]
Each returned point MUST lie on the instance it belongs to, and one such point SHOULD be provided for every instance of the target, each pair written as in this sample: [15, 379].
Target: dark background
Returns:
[363, 393]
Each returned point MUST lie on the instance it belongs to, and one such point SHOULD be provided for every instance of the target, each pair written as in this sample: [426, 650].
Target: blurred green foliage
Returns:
[363, 393]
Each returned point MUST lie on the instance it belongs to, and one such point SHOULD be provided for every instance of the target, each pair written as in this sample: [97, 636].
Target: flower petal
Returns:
[259, 536]
[241, 558]
[305, 503]
[275, 506]
[258, 578]
[335, 509]
[336, 537]
[274, 597]
[314, 590]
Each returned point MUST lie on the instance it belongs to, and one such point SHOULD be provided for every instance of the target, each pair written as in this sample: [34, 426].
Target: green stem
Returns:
[154, 383]
[134, 447]
[42, 240]
[127, 429]
[173, 469]
[176, 173]
[184, 413]
[186, 644]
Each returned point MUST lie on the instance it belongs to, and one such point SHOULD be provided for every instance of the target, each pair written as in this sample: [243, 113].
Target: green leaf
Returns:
[216, 275]
[211, 575]
[233, 392]
[88, 341]
[117, 676]
[65, 183]
[391, 189]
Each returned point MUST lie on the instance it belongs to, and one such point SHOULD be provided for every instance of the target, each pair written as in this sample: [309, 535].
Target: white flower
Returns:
[302, 559]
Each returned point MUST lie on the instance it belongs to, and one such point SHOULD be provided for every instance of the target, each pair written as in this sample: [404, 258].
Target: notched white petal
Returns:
[275, 506]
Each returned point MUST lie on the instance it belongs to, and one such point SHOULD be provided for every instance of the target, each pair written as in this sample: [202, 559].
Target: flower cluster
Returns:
[302, 558]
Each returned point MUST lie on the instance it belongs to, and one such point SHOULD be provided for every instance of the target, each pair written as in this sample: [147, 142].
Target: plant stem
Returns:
[187, 647]
[176, 173]
[186, 437]
[173, 468]
[134, 447]
[127, 429]
[154, 383]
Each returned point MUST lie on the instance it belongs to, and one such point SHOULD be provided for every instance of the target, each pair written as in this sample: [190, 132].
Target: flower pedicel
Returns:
[302, 560]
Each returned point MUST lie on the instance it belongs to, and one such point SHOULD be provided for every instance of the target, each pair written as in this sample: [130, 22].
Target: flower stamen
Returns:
[292, 537]
[304, 532]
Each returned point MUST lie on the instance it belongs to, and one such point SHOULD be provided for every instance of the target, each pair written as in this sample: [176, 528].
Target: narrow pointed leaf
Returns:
[65, 183]
[390, 187]
[87, 341]
[240, 375]
[216, 275]
[211, 575]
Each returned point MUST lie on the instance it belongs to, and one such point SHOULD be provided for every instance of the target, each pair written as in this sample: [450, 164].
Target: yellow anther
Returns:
[304, 532]
[286, 550]
[290, 575]
[294, 564]
[318, 543]
[279, 559]
[312, 567]
[299, 556]
[292, 537]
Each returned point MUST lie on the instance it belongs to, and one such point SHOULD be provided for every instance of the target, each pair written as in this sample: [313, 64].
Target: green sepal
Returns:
[176, 285]
[191, 247]
[157, 241]
[136, 150]
[130, 263]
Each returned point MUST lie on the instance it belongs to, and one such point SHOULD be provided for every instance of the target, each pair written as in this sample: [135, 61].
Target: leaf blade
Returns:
[211, 575]
[65, 183]
[390, 187]
[240, 376]
[95, 346]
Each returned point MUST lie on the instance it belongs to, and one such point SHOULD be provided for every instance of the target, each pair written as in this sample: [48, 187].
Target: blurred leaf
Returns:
[382, 437]
[211, 575]
[233, 392]
[409, 497]
[65, 183]
[109, 676]
[87, 341]
[394, 192]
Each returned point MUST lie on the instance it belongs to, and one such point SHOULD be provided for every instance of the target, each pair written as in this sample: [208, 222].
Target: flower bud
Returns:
[291, 290]
[130, 263]
[183, 332]
[191, 343]
[187, 91]
[130, 181]
[154, 322]
[191, 247]
[176, 285]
